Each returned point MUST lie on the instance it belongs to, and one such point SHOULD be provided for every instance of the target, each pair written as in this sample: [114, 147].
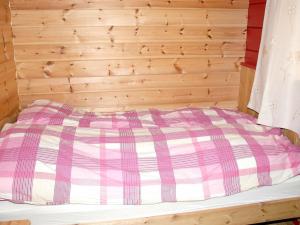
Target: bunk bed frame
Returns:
[235, 215]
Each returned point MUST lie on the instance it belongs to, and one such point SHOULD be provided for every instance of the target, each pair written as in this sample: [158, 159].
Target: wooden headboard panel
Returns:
[110, 55]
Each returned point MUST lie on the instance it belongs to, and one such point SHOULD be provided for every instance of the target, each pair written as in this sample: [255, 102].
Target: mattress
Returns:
[71, 214]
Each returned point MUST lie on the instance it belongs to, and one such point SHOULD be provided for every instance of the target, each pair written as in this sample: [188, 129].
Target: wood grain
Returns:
[108, 4]
[124, 67]
[246, 82]
[139, 97]
[8, 86]
[235, 215]
[129, 54]
[130, 17]
[128, 34]
[16, 222]
[29, 53]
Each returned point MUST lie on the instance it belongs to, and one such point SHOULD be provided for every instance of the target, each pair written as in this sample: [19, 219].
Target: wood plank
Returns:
[112, 34]
[130, 17]
[140, 82]
[16, 222]
[46, 69]
[246, 82]
[140, 97]
[107, 4]
[127, 51]
[220, 104]
[235, 215]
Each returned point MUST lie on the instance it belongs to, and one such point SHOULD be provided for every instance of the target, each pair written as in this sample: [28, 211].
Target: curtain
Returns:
[276, 90]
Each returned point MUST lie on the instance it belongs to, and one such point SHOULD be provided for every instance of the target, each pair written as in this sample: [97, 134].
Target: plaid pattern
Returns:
[57, 155]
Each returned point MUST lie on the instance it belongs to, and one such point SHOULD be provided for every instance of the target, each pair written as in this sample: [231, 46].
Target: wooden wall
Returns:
[109, 55]
[8, 87]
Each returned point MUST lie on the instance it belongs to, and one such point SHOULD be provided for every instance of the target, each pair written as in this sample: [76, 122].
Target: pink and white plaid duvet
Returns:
[57, 155]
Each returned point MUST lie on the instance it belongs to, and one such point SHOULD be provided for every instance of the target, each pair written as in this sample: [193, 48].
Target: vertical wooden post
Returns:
[246, 82]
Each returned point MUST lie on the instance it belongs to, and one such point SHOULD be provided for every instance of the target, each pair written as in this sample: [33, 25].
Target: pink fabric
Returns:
[54, 154]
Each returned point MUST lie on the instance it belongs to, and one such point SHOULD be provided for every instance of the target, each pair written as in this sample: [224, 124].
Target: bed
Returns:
[68, 214]
[227, 129]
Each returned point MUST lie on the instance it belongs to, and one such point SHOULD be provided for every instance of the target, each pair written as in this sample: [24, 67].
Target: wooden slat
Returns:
[235, 215]
[49, 35]
[107, 4]
[16, 222]
[29, 70]
[127, 51]
[130, 17]
[222, 104]
[141, 82]
[141, 97]
[246, 82]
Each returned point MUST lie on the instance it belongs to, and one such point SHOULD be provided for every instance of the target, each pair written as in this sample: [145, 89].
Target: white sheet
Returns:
[71, 214]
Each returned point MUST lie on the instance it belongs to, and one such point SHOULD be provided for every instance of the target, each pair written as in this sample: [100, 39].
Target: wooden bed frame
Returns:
[236, 215]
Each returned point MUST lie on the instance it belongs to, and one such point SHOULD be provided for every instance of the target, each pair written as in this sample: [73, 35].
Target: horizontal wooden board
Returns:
[141, 82]
[123, 67]
[106, 4]
[240, 214]
[141, 97]
[127, 51]
[96, 108]
[221, 104]
[112, 34]
[130, 17]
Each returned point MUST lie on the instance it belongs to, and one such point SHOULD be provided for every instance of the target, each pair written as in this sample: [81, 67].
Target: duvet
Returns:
[55, 154]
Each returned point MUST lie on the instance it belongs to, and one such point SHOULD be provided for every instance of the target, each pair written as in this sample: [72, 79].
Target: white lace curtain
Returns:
[276, 90]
